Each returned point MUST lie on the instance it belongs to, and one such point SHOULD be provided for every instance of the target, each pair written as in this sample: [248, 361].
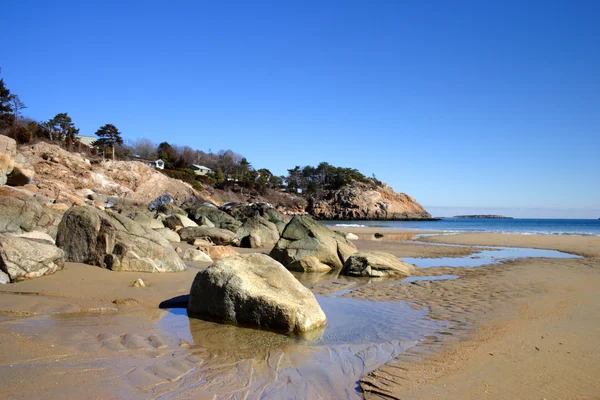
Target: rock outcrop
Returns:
[361, 201]
[305, 237]
[26, 258]
[376, 264]
[254, 290]
[113, 241]
[64, 176]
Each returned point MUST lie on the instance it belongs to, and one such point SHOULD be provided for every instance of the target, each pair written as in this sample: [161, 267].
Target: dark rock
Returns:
[160, 201]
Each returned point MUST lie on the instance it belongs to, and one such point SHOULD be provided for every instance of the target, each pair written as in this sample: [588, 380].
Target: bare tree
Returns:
[17, 105]
[187, 156]
[144, 148]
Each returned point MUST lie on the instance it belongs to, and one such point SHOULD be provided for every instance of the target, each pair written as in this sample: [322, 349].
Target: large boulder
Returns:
[8, 151]
[216, 235]
[256, 232]
[22, 211]
[219, 218]
[25, 258]
[254, 290]
[305, 237]
[113, 241]
[376, 264]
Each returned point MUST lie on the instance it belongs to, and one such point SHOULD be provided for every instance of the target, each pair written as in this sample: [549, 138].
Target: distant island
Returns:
[484, 216]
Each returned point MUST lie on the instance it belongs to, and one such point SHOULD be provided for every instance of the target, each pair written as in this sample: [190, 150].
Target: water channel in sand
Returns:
[361, 335]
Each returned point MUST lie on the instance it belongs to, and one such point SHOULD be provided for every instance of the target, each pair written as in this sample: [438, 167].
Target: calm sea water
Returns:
[588, 227]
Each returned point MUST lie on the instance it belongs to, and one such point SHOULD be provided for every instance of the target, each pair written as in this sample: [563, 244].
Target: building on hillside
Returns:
[158, 164]
[86, 140]
[201, 170]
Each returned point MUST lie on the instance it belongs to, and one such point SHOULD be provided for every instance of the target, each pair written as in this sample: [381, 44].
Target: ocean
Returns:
[528, 226]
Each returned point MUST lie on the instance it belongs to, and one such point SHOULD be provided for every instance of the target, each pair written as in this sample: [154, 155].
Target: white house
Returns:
[201, 170]
[158, 164]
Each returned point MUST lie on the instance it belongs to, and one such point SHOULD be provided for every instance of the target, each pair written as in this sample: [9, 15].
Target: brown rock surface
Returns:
[8, 149]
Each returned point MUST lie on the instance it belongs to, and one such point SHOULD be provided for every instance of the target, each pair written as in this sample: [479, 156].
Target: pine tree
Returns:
[7, 119]
[62, 125]
[108, 136]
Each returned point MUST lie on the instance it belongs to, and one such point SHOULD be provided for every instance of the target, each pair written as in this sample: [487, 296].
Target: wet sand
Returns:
[522, 329]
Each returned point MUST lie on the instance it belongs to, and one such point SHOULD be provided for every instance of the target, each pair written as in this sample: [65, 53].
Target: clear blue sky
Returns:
[460, 104]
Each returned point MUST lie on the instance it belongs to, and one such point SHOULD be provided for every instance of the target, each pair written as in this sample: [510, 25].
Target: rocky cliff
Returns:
[360, 201]
[70, 177]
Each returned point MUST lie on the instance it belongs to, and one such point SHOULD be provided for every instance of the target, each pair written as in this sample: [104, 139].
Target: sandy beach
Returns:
[524, 329]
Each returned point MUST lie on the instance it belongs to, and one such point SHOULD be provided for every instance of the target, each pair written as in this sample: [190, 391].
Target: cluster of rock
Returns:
[360, 201]
[76, 214]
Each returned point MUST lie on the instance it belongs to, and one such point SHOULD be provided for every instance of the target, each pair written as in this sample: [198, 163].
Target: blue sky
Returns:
[468, 105]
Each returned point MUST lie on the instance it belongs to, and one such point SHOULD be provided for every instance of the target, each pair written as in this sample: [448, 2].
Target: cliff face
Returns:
[364, 202]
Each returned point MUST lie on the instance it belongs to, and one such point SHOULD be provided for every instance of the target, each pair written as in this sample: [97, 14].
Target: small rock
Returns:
[351, 236]
[378, 235]
[138, 283]
[126, 302]
[195, 255]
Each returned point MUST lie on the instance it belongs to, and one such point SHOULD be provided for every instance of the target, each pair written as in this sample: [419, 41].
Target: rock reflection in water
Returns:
[360, 336]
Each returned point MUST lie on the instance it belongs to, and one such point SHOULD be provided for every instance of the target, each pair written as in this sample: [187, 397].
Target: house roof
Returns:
[201, 167]
[87, 140]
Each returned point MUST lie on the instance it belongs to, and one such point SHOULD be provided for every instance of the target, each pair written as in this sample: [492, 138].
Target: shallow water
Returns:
[492, 255]
[350, 321]
[360, 336]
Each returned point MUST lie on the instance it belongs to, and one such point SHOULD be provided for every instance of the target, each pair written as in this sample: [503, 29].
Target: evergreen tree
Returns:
[168, 154]
[63, 127]
[108, 136]
[7, 119]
